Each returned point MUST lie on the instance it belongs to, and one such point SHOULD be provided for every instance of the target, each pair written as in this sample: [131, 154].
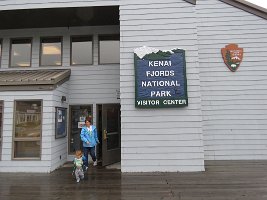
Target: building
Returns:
[63, 61]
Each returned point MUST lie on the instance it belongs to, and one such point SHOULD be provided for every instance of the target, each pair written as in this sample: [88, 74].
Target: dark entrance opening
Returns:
[59, 17]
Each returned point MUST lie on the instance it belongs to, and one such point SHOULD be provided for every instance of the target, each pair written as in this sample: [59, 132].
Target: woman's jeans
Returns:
[86, 151]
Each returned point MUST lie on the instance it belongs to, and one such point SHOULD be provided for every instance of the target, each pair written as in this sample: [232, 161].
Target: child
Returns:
[78, 166]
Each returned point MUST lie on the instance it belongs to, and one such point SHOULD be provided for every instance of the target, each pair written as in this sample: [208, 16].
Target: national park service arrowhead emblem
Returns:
[232, 56]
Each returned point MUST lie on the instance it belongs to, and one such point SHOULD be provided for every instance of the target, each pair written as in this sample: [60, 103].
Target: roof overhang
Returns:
[31, 80]
[248, 7]
[191, 1]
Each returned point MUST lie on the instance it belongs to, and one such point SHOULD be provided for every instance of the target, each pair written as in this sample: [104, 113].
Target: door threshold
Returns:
[114, 166]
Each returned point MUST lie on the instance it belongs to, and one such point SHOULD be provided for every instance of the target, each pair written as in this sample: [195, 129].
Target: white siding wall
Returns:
[160, 139]
[87, 85]
[94, 84]
[234, 104]
[51, 148]
[59, 146]
[8, 165]
[30, 4]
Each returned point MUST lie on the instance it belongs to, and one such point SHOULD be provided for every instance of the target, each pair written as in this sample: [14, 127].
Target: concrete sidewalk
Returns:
[222, 180]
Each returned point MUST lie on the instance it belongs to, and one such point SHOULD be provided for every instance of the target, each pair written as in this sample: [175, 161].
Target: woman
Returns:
[89, 139]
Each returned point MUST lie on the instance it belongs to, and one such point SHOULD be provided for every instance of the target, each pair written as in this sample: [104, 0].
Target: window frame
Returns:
[81, 36]
[108, 37]
[1, 130]
[10, 51]
[14, 139]
[1, 51]
[41, 51]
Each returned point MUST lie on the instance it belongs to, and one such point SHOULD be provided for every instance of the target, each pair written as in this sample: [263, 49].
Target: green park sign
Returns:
[160, 78]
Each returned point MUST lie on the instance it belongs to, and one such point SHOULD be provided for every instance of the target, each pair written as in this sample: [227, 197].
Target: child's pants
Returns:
[79, 173]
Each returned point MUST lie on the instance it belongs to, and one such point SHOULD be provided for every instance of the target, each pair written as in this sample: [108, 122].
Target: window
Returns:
[27, 126]
[109, 49]
[51, 51]
[81, 50]
[1, 123]
[20, 52]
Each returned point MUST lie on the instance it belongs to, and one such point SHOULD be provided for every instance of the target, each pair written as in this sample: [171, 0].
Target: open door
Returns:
[111, 134]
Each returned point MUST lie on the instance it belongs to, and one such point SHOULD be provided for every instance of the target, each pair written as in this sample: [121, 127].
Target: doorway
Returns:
[109, 128]
[78, 114]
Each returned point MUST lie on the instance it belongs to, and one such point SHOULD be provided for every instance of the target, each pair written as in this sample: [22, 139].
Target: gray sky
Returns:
[262, 3]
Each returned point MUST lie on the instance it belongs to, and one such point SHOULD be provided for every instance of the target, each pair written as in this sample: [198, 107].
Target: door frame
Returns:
[70, 123]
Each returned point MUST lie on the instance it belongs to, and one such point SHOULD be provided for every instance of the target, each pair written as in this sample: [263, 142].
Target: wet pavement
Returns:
[222, 180]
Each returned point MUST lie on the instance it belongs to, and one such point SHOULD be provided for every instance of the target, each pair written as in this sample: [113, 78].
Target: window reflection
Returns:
[28, 119]
[109, 49]
[81, 50]
[27, 149]
[20, 54]
[51, 50]
[78, 114]
[28, 124]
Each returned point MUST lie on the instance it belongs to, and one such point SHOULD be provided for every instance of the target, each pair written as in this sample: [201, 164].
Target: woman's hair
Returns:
[87, 120]
[78, 153]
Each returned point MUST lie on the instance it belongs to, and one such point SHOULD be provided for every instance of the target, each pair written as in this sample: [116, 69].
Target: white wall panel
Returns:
[9, 165]
[159, 139]
[233, 103]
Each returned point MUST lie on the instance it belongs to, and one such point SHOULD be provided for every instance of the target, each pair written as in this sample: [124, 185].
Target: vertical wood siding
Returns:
[234, 104]
[159, 139]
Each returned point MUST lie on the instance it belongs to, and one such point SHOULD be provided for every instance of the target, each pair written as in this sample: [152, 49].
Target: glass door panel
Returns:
[78, 114]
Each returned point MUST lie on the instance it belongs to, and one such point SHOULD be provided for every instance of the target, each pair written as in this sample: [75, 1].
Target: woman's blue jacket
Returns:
[89, 136]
